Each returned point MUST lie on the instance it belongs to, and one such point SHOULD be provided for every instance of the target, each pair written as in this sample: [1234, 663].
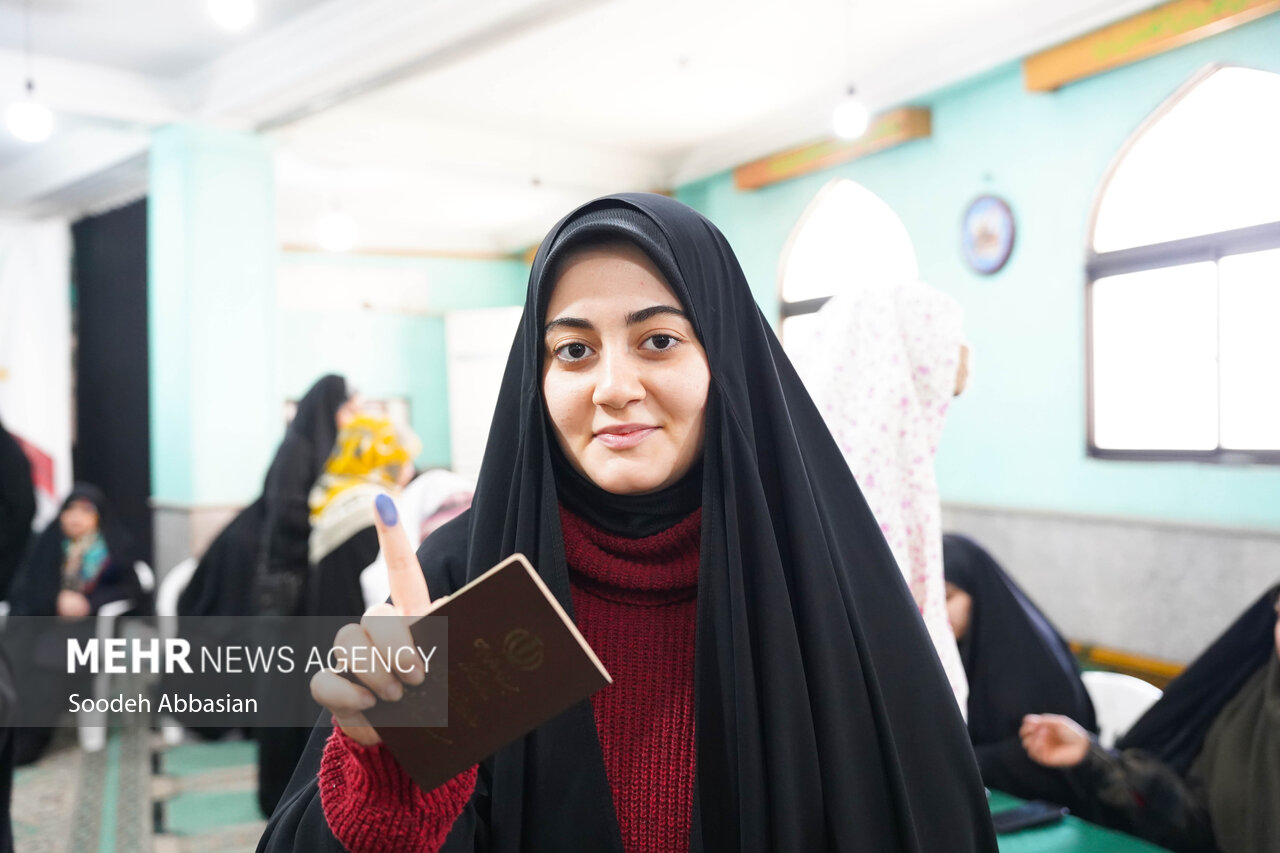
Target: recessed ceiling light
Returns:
[233, 15]
[336, 231]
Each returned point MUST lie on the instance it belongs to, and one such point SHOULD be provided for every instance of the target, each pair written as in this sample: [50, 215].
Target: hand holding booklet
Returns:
[515, 661]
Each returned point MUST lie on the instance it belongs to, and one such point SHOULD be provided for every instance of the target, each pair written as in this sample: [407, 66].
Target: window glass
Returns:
[1208, 164]
[847, 235]
[1250, 350]
[1154, 359]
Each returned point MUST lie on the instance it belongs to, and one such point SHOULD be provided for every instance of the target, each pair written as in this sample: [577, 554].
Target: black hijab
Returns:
[315, 421]
[823, 717]
[1174, 728]
[286, 522]
[35, 589]
[1017, 663]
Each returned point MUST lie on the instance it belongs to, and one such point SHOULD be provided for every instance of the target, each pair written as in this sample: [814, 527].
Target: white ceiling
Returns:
[465, 125]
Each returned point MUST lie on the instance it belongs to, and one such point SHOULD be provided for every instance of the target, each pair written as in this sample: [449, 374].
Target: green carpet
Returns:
[206, 796]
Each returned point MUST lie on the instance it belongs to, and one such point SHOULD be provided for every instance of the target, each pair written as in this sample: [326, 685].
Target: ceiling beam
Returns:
[98, 92]
[340, 50]
[73, 155]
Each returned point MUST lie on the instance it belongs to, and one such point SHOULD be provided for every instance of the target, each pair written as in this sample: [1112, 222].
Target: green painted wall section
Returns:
[212, 253]
[1017, 436]
[384, 353]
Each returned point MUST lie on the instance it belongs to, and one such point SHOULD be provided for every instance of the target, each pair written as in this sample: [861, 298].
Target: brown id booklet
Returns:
[515, 660]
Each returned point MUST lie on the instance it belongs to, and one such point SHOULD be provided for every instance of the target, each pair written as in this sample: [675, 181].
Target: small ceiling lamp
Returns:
[851, 118]
[28, 119]
[336, 231]
[233, 15]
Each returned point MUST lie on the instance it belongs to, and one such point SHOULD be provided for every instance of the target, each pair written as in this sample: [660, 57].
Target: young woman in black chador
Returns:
[1200, 771]
[656, 457]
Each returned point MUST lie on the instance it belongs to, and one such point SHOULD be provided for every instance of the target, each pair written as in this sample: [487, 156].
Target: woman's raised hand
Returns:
[378, 628]
[1054, 740]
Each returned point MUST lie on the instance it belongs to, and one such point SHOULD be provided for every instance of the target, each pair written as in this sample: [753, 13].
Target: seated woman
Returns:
[81, 562]
[1016, 663]
[654, 455]
[1200, 771]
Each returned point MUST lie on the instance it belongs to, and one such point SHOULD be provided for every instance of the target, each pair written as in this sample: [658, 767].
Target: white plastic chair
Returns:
[93, 735]
[171, 589]
[1118, 701]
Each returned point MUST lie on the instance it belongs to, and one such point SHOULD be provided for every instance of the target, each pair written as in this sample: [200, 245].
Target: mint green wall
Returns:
[211, 294]
[1017, 436]
[384, 353]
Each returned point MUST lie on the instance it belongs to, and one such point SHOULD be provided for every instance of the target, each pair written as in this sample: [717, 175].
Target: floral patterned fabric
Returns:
[881, 363]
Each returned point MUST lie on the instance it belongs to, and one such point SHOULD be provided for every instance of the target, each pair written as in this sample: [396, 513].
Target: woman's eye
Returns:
[573, 351]
[662, 343]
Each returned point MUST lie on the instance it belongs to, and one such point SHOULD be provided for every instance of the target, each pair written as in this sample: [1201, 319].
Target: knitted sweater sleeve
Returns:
[372, 806]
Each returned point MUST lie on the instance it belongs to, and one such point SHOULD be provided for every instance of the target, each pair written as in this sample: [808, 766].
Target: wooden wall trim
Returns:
[886, 131]
[1137, 37]
[1156, 671]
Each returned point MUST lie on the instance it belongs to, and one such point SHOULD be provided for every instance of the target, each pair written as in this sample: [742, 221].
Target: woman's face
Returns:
[959, 609]
[624, 377]
[79, 519]
[347, 411]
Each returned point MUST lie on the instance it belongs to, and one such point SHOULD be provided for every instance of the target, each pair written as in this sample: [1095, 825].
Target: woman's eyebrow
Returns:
[648, 313]
[632, 318]
[569, 322]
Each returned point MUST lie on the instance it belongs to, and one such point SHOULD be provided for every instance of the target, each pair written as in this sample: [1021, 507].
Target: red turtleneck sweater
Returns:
[634, 600]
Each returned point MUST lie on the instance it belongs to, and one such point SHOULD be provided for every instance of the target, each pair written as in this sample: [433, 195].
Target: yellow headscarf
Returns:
[368, 451]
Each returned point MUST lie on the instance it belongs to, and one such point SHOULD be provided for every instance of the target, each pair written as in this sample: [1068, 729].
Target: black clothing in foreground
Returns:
[1017, 664]
[17, 508]
[823, 718]
[283, 559]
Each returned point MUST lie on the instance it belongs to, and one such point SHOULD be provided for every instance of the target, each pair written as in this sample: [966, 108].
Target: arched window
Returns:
[1184, 279]
[846, 235]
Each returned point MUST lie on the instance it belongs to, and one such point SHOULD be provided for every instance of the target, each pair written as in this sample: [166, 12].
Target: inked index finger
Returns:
[404, 576]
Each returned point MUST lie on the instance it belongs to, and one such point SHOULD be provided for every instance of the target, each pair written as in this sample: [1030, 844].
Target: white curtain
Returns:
[35, 351]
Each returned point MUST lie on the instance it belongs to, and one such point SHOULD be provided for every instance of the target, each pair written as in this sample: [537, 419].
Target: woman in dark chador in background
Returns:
[224, 582]
[655, 456]
[1200, 771]
[17, 508]
[1017, 664]
[81, 561]
[282, 560]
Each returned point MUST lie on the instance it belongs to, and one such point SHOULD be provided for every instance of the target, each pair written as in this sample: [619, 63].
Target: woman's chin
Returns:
[628, 478]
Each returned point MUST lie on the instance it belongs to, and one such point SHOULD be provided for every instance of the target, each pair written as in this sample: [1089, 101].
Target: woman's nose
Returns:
[618, 383]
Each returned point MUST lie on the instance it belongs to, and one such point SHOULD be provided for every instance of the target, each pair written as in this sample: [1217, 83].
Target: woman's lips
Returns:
[623, 440]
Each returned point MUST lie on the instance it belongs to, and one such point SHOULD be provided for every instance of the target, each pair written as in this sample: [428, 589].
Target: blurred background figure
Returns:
[283, 562]
[82, 561]
[433, 498]
[882, 361]
[17, 508]
[1017, 663]
[1200, 771]
[371, 456]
